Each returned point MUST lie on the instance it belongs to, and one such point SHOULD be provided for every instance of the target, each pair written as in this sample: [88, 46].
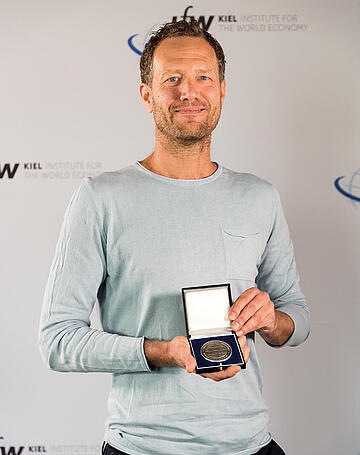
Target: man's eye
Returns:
[204, 78]
[173, 78]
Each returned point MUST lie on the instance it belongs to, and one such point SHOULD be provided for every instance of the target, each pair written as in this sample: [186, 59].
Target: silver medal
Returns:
[216, 350]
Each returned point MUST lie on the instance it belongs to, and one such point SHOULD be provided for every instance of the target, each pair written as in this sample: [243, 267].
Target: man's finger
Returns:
[246, 353]
[244, 348]
[247, 312]
[190, 364]
[241, 302]
[241, 340]
[221, 375]
[263, 317]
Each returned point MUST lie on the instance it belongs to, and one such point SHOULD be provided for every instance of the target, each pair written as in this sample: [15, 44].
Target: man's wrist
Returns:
[281, 331]
[174, 353]
[157, 353]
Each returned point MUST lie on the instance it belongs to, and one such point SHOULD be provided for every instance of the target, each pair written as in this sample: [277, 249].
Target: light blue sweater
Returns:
[133, 239]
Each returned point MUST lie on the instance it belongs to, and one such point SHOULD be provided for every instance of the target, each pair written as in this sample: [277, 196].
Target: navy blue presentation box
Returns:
[213, 344]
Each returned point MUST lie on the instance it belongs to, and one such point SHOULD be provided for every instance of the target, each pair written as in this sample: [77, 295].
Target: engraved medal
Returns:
[216, 350]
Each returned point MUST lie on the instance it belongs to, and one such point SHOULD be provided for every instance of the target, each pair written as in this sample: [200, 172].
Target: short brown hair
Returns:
[175, 29]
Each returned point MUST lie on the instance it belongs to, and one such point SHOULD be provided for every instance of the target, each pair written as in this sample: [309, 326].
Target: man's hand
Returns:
[174, 353]
[177, 353]
[253, 310]
[234, 369]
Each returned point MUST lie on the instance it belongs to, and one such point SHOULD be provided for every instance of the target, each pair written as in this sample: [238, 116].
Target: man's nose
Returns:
[188, 90]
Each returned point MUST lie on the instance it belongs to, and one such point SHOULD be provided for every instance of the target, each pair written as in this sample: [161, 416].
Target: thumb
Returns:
[190, 364]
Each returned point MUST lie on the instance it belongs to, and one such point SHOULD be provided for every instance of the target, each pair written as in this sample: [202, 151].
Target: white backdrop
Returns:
[69, 107]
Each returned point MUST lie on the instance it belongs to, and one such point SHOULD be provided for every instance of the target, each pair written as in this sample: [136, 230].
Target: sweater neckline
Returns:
[184, 182]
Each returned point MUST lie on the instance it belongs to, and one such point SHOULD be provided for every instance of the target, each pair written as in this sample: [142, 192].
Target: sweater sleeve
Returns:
[279, 277]
[66, 340]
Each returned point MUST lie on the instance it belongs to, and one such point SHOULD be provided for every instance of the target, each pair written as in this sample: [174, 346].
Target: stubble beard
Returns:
[183, 134]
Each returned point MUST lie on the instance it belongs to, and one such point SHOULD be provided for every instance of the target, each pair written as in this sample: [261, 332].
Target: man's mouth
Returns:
[190, 110]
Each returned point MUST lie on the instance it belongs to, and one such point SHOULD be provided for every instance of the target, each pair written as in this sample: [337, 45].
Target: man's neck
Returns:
[179, 161]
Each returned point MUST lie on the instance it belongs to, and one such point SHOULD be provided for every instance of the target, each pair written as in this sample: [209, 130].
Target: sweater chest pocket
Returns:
[242, 253]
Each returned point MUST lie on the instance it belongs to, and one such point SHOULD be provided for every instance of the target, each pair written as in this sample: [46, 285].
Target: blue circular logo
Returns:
[137, 41]
[349, 186]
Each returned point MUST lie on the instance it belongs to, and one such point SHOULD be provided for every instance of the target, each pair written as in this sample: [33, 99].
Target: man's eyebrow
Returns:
[205, 70]
[172, 71]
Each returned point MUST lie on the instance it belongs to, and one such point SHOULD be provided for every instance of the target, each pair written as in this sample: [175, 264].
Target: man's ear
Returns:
[146, 96]
[222, 91]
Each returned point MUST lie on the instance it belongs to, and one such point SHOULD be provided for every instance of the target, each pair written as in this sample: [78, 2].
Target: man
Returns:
[133, 238]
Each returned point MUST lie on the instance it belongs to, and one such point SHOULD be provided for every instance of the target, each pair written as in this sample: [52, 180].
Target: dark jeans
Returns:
[271, 449]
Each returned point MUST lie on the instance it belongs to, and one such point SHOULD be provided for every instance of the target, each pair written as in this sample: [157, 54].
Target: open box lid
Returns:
[207, 309]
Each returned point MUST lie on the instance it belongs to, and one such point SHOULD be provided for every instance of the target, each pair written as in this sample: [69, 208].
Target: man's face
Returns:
[186, 95]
